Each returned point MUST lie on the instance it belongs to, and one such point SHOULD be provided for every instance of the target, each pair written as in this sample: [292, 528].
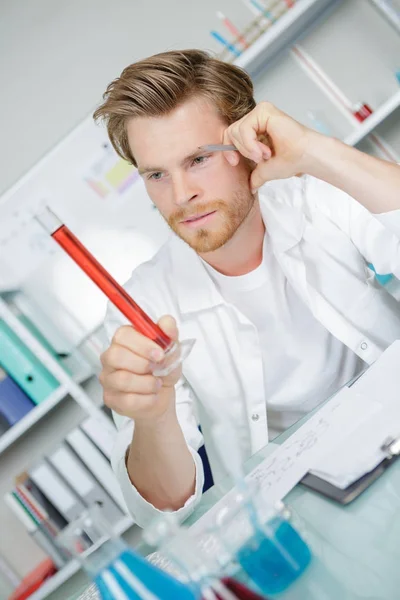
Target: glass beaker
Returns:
[265, 544]
[118, 572]
[200, 556]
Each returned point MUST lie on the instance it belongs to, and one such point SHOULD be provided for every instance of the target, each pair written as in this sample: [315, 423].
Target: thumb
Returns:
[168, 325]
[265, 171]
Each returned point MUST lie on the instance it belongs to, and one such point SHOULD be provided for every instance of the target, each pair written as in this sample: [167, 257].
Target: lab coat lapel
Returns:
[283, 212]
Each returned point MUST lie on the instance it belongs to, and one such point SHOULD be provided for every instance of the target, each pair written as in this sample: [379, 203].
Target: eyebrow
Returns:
[189, 158]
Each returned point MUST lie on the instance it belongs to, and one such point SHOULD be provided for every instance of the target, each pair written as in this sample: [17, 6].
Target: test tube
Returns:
[175, 352]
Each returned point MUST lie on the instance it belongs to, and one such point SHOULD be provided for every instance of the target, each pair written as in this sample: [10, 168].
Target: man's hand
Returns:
[159, 461]
[130, 388]
[273, 140]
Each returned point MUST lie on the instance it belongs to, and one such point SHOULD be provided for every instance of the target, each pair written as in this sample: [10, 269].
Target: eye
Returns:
[199, 160]
[155, 176]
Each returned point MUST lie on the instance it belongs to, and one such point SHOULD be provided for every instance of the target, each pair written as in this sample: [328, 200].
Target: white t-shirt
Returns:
[303, 362]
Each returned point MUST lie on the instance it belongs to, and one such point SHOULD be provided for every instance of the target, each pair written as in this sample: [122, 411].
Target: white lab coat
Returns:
[323, 240]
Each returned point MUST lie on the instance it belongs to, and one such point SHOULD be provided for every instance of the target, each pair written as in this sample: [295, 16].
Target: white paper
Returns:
[360, 452]
[337, 419]
[284, 468]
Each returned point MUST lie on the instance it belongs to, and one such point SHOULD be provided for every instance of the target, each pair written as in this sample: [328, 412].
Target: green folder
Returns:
[24, 367]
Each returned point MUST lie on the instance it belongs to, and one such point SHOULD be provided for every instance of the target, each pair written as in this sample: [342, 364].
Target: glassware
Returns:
[263, 541]
[362, 111]
[203, 567]
[118, 572]
[175, 352]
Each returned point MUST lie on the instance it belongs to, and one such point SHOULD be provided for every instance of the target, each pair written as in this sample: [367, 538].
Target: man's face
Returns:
[202, 197]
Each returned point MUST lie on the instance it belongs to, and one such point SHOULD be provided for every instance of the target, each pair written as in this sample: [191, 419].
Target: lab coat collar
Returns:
[282, 209]
[195, 289]
[281, 204]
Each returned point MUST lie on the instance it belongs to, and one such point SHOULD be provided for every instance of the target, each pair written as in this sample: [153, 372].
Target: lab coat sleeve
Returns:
[140, 509]
[376, 236]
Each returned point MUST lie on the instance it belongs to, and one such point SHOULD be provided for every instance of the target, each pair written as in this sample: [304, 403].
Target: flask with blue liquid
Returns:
[201, 559]
[118, 572]
[262, 539]
[259, 535]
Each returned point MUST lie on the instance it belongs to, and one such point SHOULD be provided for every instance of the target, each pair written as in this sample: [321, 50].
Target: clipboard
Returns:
[344, 496]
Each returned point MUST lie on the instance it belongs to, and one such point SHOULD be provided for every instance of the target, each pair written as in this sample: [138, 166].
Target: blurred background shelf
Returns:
[374, 120]
[283, 33]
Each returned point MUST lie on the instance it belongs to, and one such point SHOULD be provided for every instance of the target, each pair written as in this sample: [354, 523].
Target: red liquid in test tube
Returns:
[115, 292]
[240, 591]
[175, 352]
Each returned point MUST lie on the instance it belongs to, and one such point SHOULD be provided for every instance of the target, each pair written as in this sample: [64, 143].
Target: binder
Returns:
[43, 341]
[100, 434]
[346, 495]
[4, 424]
[46, 528]
[70, 467]
[14, 403]
[97, 464]
[23, 366]
[56, 490]
[35, 531]
[54, 515]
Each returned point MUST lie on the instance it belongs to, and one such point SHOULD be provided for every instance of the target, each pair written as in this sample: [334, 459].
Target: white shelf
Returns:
[282, 34]
[72, 567]
[374, 120]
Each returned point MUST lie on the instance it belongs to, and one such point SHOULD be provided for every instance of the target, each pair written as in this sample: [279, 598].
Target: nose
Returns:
[184, 189]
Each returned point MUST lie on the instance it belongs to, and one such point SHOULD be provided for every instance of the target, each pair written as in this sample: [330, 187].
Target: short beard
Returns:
[233, 215]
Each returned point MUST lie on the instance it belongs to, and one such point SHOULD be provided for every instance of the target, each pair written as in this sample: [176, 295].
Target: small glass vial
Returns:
[362, 111]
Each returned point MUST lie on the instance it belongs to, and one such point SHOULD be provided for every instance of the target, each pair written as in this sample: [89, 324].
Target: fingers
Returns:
[244, 136]
[232, 157]
[126, 382]
[168, 325]
[250, 135]
[134, 341]
[131, 404]
[250, 138]
[266, 171]
[118, 357]
[132, 354]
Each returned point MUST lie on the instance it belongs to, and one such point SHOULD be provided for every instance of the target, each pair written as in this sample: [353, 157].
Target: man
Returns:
[267, 271]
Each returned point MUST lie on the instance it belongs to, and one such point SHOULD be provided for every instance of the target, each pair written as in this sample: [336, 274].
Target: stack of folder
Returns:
[24, 367]
[24, 381]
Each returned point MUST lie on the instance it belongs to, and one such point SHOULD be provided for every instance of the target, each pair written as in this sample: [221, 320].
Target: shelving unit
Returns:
[68, 386]
[374, 120]
[260, 60]
[71, 568]
[16, 431]
[283, 34]
[298, 23]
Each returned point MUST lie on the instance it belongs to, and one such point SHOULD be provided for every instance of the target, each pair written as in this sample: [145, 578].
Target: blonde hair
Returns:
[155, 86]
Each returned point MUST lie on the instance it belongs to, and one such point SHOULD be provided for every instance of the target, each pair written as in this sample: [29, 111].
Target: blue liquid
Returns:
[156, 581]
[266, 566]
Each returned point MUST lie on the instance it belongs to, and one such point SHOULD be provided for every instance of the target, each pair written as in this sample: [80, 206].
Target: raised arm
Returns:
[374, 183]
